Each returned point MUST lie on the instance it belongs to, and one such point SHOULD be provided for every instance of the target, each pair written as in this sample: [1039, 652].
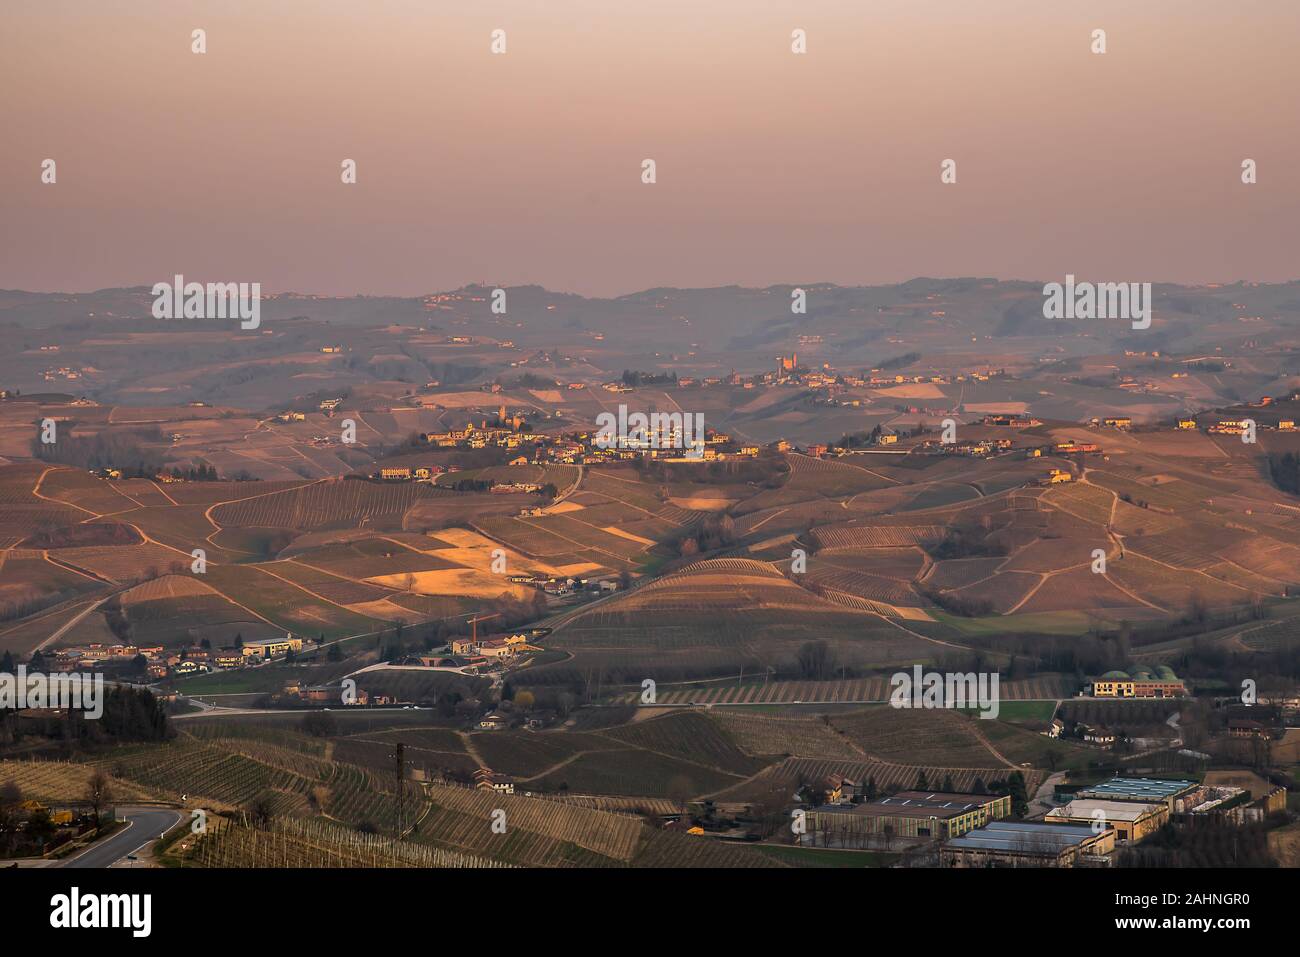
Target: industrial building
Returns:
[1143, 790]
[1132, 820]
[1029, 844]
[925, 815]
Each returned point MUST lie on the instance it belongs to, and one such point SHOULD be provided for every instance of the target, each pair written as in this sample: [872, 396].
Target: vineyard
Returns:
[207, 771]
[314, 843]
[773, 735]
[328, 504]
[830, 537]
[538, 832]
[59, 781]
[670, 849]
[689, 736]
[930, 737]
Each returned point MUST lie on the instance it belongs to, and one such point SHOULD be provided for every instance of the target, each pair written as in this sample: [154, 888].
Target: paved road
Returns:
[1041, 802]
[146, 824]
[67, 626]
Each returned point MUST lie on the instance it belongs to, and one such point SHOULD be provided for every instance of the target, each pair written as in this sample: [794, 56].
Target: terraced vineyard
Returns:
[331, 504]
[58, 781]
[312, 844]
[537, 831]
[203, 770]
[776, 735]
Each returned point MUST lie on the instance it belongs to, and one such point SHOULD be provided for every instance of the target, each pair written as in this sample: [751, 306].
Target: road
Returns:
[1042, 802]
[145, 825]
[71, 622]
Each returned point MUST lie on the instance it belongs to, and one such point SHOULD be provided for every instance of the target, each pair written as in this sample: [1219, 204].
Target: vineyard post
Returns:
[400, 762]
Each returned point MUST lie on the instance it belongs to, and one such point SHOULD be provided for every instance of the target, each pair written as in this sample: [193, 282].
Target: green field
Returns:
[827, 857]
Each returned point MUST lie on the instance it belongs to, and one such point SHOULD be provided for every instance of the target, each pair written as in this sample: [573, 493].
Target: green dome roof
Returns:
[1115, 676]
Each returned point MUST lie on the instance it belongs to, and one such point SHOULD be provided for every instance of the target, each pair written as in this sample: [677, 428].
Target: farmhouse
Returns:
[485, 779]
[496, 648]
[840, 789]
[494, 721]
[229, 658]
[1098, 736]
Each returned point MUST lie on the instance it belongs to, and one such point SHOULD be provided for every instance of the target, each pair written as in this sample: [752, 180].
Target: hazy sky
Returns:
[526, 167]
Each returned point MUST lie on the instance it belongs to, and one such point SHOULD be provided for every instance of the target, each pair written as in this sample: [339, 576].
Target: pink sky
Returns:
[526, 167]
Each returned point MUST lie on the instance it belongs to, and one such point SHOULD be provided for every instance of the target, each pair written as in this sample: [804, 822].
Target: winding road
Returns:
[143, 826]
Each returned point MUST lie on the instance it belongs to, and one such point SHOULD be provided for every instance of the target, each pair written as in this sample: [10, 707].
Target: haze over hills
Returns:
[925, 327]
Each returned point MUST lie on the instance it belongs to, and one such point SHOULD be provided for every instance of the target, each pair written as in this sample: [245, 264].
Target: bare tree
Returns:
[98, 794]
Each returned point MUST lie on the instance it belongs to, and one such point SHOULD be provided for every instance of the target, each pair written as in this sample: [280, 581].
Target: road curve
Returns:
[144, 825]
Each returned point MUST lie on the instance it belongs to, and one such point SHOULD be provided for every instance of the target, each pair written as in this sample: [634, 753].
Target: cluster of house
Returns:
[63, 372]
[788, 372]
[579, 448]
[332, 695]
[163, 662]
[566, 586]
[473, 655]
[1240, 426]
[1089, 734]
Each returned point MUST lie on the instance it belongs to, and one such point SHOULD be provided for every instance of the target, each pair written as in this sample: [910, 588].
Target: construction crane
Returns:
[474, 625]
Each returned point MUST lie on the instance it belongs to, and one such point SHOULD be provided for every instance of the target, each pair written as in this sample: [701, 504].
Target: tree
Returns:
[815, 660]
[921, 783]
[1015, 786]
[524, 700]
[39, 826]
[11, 797]
[319, 724]
[260, 812]
[98, 794]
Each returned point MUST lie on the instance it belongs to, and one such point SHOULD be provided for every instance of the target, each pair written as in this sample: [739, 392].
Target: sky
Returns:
[526, 167]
